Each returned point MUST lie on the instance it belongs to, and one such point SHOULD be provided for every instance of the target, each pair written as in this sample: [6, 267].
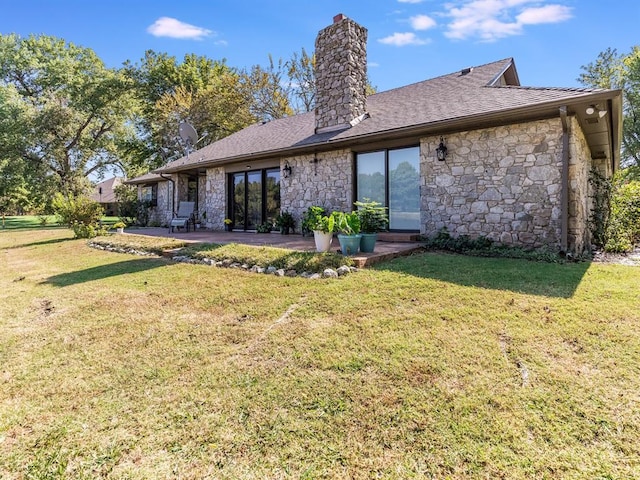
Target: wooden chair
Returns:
[184, 216]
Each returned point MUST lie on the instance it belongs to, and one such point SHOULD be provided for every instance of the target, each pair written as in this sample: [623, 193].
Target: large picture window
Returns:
[392, 178]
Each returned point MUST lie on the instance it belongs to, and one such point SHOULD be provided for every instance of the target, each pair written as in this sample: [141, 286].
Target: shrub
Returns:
[464, 243]
[82, 230]
[76, 210]
[623, 230]
[602, 189]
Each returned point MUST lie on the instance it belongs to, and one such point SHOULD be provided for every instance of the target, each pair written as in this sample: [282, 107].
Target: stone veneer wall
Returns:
[215, 202]
[328, 183]
[341, 73]
[202, 199]
[161, 213]
[502, 183]
[579, 235]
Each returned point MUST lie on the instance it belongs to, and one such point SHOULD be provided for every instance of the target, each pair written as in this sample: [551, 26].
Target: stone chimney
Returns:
[341, 75]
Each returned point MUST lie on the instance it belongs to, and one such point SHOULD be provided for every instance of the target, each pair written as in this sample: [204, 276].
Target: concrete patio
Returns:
[389, 245]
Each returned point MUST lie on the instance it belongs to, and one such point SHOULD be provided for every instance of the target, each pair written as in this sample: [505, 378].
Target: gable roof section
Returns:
[103, 191]
[483, 95]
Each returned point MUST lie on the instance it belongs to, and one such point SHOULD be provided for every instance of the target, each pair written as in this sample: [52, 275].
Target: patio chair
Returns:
[183, 216]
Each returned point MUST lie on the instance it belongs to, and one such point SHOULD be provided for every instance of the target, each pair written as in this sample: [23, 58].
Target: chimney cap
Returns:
[339, 17]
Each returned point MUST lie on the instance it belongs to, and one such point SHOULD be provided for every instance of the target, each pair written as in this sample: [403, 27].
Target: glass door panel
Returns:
[371, 178]
[404, 189]
[238, 207]
[254, 200]
[272, 195]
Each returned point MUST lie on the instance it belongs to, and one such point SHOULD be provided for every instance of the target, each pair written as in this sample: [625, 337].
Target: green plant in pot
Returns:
[323, 228]
[285, 222]
[119, 226]
[373, 219]
[348, 224]
[310, 218]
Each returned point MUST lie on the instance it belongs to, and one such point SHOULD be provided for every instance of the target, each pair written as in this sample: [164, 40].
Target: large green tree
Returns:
[72, 113]
[204, 92]
[613, 70]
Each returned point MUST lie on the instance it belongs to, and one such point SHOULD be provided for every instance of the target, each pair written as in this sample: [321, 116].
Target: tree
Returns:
[302, 80]
[204, 92]
[71, 111]
[611, 70]
[267, 91]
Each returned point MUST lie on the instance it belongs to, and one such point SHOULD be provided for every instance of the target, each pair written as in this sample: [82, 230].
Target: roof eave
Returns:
[482, 120]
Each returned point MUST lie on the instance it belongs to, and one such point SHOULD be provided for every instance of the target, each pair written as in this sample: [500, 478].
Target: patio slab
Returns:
[385, 250]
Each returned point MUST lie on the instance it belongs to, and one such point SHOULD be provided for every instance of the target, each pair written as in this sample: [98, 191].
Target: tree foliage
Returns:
[70, 112]
[268, 91]
[613, 70]
[204, 92]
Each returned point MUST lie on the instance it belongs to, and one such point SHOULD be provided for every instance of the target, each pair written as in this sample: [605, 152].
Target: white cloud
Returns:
[490, 20]
[546, 14]
[402, 39]
[372, 64]
[172, 28]
[422, 22]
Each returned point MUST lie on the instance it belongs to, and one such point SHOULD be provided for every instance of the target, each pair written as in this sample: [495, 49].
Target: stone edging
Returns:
[227, 263]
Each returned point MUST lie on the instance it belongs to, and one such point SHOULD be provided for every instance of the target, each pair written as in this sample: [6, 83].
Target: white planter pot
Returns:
[323, 240]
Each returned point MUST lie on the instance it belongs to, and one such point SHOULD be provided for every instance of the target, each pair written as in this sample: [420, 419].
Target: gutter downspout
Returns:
[173, 194]
[564, 191]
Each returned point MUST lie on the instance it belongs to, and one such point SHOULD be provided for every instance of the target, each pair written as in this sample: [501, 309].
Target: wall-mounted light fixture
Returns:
[593, 109]
[286, 170]
[441, 151]
[315, 164]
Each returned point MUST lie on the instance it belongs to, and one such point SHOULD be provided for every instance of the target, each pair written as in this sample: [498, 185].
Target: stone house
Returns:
[472, 151]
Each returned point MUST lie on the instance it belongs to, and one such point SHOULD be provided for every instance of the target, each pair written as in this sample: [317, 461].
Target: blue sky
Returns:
[409, 40]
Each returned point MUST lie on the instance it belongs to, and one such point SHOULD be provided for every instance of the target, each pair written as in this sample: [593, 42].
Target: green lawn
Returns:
[430, 366]
[36, 221]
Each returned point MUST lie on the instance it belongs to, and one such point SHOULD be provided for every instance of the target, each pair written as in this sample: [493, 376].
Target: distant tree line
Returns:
[65, 116]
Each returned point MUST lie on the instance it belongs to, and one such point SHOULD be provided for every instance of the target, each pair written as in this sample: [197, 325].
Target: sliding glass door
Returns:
[254, 198]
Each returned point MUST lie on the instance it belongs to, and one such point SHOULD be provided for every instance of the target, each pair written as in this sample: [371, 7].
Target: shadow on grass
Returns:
[42, 242]
[522, 276]
[105, 271]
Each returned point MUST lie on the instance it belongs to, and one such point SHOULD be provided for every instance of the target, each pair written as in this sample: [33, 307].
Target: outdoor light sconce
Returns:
[441, 151]
[593, 109]
[286, 170]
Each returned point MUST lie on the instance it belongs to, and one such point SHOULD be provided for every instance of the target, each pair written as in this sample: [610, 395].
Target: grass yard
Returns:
[431, 366]
[39, 221]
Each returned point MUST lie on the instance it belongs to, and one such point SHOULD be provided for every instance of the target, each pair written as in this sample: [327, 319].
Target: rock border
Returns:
[228, 263]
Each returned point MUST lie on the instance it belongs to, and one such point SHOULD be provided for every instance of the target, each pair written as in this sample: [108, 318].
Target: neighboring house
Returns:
[516, 166]
[104, 194]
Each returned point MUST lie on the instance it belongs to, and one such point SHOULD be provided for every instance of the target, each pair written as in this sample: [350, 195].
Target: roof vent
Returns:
[465, 71]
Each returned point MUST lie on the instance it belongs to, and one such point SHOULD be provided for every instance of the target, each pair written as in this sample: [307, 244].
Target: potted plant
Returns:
[228, 224]
[285, 222]
[119, 226]
[348, 224]
[373, 219]
[323, 231]
[310, 218]
[264, 227]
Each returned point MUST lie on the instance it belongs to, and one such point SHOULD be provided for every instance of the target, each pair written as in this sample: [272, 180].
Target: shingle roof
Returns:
[103, 191]
[440, 101]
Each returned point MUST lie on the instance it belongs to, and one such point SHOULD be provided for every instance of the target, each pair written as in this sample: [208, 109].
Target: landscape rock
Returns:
[329, 273]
